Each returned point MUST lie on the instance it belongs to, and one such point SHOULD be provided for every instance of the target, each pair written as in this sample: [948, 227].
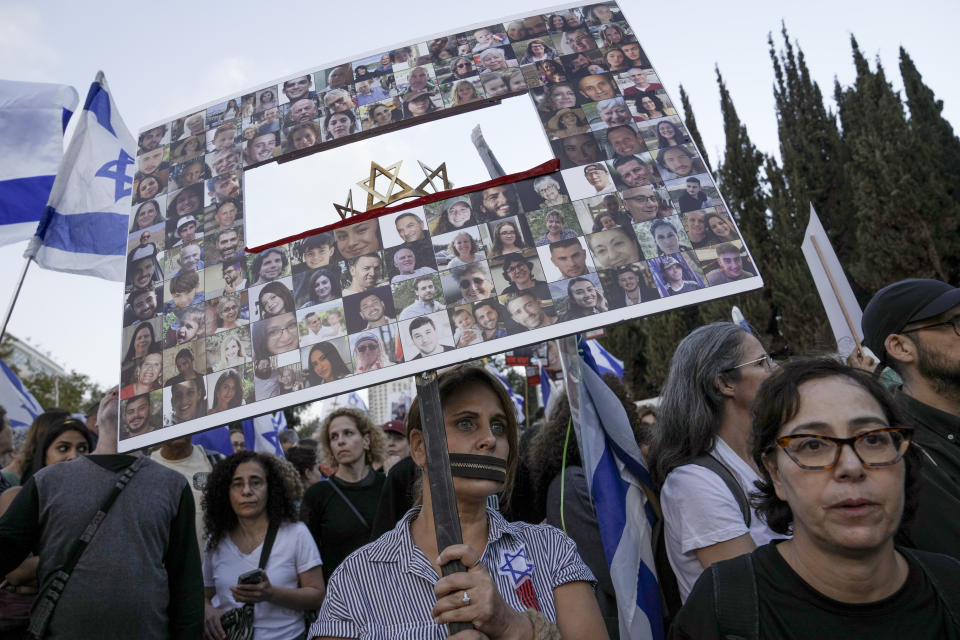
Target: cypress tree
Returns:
[929, 127]
[691, 123]
[931, 131]
[811, 150]
[740, 178]
[907, 218]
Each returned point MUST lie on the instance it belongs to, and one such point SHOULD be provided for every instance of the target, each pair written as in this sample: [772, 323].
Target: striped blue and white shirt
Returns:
[384, 590]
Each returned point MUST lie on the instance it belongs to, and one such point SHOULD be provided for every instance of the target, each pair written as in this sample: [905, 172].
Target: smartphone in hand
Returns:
[251, 577]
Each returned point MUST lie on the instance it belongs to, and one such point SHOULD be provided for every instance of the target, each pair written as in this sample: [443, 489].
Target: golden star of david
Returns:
[392, 172]
[431, 176]
[344, 210]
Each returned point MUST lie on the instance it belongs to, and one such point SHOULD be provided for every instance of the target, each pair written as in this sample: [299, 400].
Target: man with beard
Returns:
[425, 289]
[142, 305]
[487, 315]
[634, 172]
[234, 276]
[136, 417]
[227, 244]
[496, 202]
[914, 328]
[373, 310]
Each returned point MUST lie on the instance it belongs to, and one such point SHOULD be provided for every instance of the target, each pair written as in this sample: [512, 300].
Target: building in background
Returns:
[28, 360]
[391, 401]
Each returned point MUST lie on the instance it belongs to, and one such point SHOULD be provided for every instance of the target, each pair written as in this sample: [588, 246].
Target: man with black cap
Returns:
[914, 328]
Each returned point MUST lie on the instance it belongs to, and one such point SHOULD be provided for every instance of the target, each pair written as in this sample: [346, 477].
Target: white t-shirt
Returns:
[195, 468]
[699, 511]
[294, 552]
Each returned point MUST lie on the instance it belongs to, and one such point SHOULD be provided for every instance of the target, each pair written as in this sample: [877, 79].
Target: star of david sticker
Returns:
[516, 565]
[393, 173]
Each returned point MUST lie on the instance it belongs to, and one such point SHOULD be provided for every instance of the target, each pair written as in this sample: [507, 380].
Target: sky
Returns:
[162, 59]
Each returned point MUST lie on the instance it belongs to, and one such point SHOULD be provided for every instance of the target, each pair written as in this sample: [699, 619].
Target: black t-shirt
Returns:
[336, 529]
[791, 608]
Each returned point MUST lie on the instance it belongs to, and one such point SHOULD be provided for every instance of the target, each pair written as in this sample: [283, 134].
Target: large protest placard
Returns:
[629, 224]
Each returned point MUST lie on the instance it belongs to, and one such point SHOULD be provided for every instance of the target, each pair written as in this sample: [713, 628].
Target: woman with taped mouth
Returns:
[523, 580]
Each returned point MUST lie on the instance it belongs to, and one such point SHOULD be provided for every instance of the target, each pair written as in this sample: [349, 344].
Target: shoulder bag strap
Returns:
[333, 483]
[47, 601]
[268, 545]
[709, 462]
[735, 598]
[943, 572]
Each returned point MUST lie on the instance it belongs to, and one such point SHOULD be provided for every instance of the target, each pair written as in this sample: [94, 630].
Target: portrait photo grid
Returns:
[630, 217]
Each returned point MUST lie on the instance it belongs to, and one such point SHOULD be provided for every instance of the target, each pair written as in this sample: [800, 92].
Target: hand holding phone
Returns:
[251, 577]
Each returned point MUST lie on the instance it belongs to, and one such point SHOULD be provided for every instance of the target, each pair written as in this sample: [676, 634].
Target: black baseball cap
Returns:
[898, 304]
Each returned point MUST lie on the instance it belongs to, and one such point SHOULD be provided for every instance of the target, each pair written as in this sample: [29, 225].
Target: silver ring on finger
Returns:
[465, 599]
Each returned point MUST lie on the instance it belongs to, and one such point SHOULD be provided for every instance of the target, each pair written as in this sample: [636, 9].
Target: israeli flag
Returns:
[84, 227]
[33, 116]
[264, 432]
[605, 361]
[619, 485]
[350, 400]
[20, 404]
[215, 440]
[546, 387]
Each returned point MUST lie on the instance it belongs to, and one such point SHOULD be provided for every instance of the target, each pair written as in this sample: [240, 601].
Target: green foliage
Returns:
[886, 187]
[691, 123]
[907, 217]
[75, 391]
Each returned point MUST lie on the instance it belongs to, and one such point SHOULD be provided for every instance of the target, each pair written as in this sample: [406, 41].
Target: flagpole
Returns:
[836, 294]
[16, 294]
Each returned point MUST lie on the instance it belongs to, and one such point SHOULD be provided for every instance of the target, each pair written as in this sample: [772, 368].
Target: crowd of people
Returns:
[812, 498]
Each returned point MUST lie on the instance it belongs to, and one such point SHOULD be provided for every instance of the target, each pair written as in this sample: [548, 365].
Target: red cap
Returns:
[395, 426]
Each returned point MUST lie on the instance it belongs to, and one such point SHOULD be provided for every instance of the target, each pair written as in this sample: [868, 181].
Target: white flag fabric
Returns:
[846, 339]
[606, 362]
[20, 404]
[84, 227]
[33, 116]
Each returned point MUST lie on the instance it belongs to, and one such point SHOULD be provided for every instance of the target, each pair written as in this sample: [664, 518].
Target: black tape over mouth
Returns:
[468, 465]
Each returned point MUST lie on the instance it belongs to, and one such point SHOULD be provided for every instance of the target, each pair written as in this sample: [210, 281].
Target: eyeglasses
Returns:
[953, 322]
[875, 448]
[363, 348]
[275, 332]
[477, 282]
[516, 266]
[766, 361]
[641, 198]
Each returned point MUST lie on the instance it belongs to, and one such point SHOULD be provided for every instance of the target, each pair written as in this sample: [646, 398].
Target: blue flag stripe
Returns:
[67, 114]
[98, 103]
[610, 488]
[19, 198]
[648, 599]
[98, 233]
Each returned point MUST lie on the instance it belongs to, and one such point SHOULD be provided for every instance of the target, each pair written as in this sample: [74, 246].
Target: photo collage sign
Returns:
[631, 224]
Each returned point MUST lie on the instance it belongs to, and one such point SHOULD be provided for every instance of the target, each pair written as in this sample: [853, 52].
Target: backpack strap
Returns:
[735, 601]
[709, 462]
[943, 572]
